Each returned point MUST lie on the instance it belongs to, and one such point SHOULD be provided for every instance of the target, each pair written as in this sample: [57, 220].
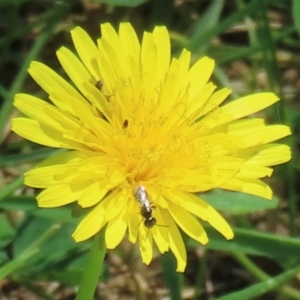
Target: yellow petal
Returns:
[249, 105]
[188, 223]
[62, 158]
[57, 195]
[267, 134]
[182, 199]
[45, 176]
[87, 51]
[267, 155]
[133, 225]
[90, 225]
[115, 231]
[149, 67]
[156, 197]
[93, 193]
[97, 98]
[115, 202]
[250, 186]
[215, 100]
[214, 218]
[162, 39]
[74, 68]
[129, 40]
[45, 113]
[50, 82]
[114, 56]
[146, 244]
[245, 126]
[239, 108]
[160, 231]
[200, 73]
[203, 210]
[251, 171]
[176, 243]
[32, 131]
[197, 106]
[38, 133]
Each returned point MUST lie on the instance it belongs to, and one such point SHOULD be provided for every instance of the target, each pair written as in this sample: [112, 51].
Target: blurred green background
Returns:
[256, 46]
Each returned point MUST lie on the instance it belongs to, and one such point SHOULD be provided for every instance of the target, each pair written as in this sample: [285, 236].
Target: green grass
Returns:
[36, 244]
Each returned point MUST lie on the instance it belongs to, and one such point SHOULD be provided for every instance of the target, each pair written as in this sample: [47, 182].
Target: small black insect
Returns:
[99, 84]
[125, 124]
[146, 211]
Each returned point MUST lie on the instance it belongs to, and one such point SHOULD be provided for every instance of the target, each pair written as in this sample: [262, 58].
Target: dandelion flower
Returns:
[143, 135]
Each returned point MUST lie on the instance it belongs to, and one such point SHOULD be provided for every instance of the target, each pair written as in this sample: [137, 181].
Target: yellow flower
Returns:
[144, 133]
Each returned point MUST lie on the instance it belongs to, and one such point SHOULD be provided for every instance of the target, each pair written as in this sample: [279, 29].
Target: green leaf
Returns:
[25, 203]
[17, 263]
[172, 278]
[27, 253]
[28, 232]
[60, 214]
[11, 187]
[131, 3]
[91, 273]
[253, 242]
[199, 41]
[10, 2]
[268, 46]
[52, 17]
[161, 12]
[59, 247]
[206, 24]
[261, 288]
[29, 205]
[237, 203]
[7, 232]
[296, 14]
[72, 271]
[21, 158]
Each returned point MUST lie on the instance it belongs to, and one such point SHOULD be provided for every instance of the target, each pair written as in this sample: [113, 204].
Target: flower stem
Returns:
[93, 268]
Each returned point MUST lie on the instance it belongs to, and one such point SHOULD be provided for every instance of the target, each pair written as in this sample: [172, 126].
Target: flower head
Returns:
[143, 134]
